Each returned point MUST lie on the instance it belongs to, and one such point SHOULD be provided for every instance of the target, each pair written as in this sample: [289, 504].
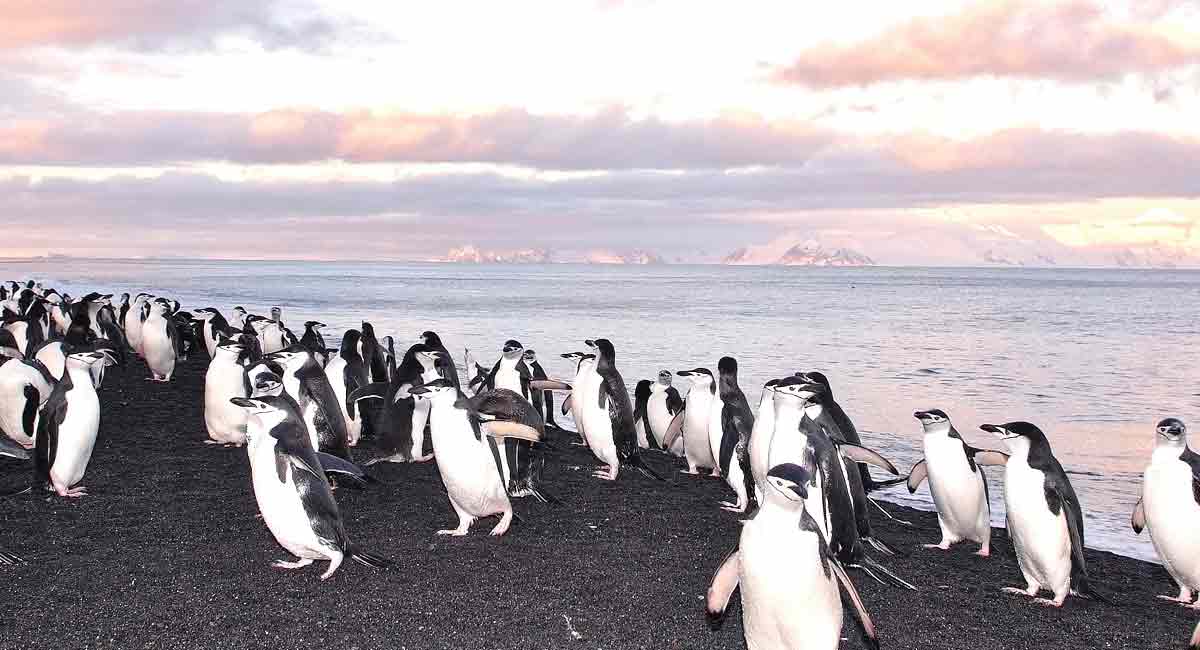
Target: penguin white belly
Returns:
[716, 430]
[467, 466]
[272, 339]
[597, 427]
[157, 349]
[76, 435]
[335, 372]
[787, 602]
[225, 421]
[957, 492]
[508, 378]
[279, 503]
[696, 446]
[760, 444]
[420, 416]
[1173, 517]
[583, 386]
[14, 377]
[660, 418]
[1041, 538]
[210, 339]
[51, 356]
[20, 332]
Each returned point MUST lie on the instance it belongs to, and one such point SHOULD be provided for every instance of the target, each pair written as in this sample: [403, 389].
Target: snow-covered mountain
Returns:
[470, 254]
[806, 253]
[623, 257]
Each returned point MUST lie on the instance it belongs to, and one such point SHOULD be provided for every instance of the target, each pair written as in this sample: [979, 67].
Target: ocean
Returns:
[1094, 357]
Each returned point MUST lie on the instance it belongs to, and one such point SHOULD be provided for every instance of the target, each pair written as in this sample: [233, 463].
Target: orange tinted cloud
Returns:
[1071, 40]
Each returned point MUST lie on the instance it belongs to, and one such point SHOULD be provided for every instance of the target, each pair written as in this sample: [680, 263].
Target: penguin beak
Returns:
[1000, 432]
[590, 343]
[921, 415]
[684, 373]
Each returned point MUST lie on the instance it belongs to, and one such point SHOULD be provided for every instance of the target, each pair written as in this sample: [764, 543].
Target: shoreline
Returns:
[166, 549]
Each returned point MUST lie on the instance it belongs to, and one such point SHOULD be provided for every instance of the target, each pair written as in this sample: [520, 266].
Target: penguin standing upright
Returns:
[760, 438]
[788, 577]
[1170, 507]
[956, 481]
[289, 482]
[161, 341]
[347, 373]
[697, 412]
[1045, 520]
[133, 321]
[305, 381]
[521, 460]
[641, 416]
[213, 329]
[224, 380]
[468, 461]
[584, 383]
[662, 406]
[543, 400]
[314, 340]
[732, 417]
[608, 417]
[67, 428]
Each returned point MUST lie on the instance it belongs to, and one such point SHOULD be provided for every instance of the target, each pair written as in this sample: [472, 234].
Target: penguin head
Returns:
[239, 310]
[933, 420]
[602, 348]
[204, 313]
[1019, 435]
[268, 384]
[572, 355]
[530, 356]
[791, 480]
[85, 358]
[266, 411]
[799, 388]
[314, 325]
[431, 339]
[233, 345]
[513, 349]
[290, 357]
[698, 375]
[435, 390]
[276, 313]
[665, 377]
[727, 366]
[1171, 430]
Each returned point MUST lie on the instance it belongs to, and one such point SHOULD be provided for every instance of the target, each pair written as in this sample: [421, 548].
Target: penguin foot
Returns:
[945, 546]
[732, 507]
[688, 471]
[1031, 592]
[984, 552]
[1181, 600]
[73, 493]
[334, 563]
[607, 473]
[284, 564]
[716, 473]
[1046, 602]
[423, 459]
[576, 443]
[502, 527]
[457, 532]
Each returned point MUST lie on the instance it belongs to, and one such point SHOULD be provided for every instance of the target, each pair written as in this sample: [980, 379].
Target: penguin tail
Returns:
[1083, 589]
[635, 461]
[888, 514]
[544, 498]
[17, 492]
[881, 574]
[10, 559]
[368, 559]
[881, 546]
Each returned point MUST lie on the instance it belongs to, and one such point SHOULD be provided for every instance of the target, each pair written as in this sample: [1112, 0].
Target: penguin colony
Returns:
[794, 462]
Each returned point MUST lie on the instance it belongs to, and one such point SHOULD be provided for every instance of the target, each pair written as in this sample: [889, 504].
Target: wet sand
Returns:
[166, 552]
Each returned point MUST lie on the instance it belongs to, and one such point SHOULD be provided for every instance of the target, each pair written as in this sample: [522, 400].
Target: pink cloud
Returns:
[1072, 41]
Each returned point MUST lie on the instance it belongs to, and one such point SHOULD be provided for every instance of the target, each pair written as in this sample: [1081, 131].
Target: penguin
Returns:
[305, 382]
[584, 382]
[274, 335]
[468, 461]
[800, 439]
[641, 403]
[693, 426]
[543, 400]
[24, 388]
[293, 495]
[793, 589]
[608, 417]
[225, 380]
[956, 481]
[730, 415]
[372, 354]
[760, 438]
[662, 405]
[314, 340]
[214, 328]
[347, 373]
[520, 460]
[132, 323]
[846, 429]
[401, 418]
[67, 427]
[1170, 507]
[1045, 519]
[162, 345]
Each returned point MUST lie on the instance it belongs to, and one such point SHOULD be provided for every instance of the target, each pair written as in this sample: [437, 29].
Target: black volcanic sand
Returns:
[166, 552]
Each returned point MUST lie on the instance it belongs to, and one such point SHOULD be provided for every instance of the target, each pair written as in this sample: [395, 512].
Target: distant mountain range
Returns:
[808, 253]
[470, 254]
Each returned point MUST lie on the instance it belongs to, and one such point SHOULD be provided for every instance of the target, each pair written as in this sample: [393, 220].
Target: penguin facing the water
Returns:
[224, 380]
[67, 428]
[1045, 519]
[760, 438]
[1170, 507]
[693, 426]
[294, 497]
[956, 481]
[654, 409]
[732, 417]
[305, 381]
[793, 589]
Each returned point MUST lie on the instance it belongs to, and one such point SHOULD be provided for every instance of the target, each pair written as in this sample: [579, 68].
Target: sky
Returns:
[1002, 131]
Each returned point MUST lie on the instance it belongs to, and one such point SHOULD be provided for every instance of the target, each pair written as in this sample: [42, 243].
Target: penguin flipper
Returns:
[334, 464]
[367, 559]
[10, 559]
[720, 591]
[917, 475]
[1138, 520]
[852, 601]
[674, 430]
[504, 429]
[635, 461]
[860, 454]
[1060, 493]
[12, 449]
[549, 384]
[46, 445]
[566, 405]
[988, 456]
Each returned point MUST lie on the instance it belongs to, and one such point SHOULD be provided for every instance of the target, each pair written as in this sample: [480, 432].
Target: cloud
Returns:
[158, 24]
[1069, 41]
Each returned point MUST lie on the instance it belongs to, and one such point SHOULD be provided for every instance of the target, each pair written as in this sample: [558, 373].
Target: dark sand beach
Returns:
[166, 552]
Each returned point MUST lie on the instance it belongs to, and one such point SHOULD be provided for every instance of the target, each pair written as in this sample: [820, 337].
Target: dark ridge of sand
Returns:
[166, 552]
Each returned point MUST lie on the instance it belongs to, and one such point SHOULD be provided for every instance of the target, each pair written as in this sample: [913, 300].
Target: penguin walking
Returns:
[608, 417]
[161, 341]
[293, 495]
[730, 415]
[693, 426]
[24, 388]
[956, 481]
[1045, 519]
[760, 438]
[793, 590]
[225, 380]
[468, 461]
[1170, 507]
[67, 428]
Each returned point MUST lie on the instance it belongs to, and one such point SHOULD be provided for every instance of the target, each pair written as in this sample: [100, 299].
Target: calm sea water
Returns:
[1094, 357]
